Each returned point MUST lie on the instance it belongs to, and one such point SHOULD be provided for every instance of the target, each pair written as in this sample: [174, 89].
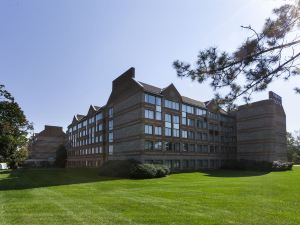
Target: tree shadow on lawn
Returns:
[234, 173]
[35, 178]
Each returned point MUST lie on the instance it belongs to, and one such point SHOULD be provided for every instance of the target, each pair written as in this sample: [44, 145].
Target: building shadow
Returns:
[234, 173]
[36, 178]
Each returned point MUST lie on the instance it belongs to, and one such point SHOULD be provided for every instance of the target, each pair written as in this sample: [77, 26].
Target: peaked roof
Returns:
[151, 88]
[97, 107]
[79, 117]
[157, 90]
[193, 102]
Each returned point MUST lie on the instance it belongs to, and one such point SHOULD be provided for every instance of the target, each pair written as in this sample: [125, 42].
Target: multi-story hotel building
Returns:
[159, 125]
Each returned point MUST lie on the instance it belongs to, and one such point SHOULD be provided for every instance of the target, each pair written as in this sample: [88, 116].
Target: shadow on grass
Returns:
[234, 173]
[36, 178]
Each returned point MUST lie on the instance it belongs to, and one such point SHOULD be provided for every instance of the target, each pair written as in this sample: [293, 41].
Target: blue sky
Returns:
[59, 56]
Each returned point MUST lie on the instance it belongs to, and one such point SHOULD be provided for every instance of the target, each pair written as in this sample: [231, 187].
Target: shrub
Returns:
[282, 166]
[143, 171]
[161, 170]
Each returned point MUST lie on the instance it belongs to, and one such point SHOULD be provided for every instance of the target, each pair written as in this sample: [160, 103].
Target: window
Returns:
[176, 133]
[176, 119]
[199, 148]
[148, 145]
[158, 115]
[191, 135]
[177, 147]
[157, 130]
[168, 118]
[168, 124]
[149, 114]
[148, 129]
[110, 112]
[201, 112]
[199, 136]
[191, 122]
[152, 99]
[158, 112]
[184, 134]
[84, 123]
[192, 148]
[157, 145]
[213, 115]
[158, 100]
[110, 149]
[168, 132]
[168, 163]
[201, 124]
[110, 124]
[176, 164]
[185, 163]
[99, 127]
[188, 109]
[185, 147]
[171, 105]
[110, 137]
[168, 146]
[99, 116]
[200, 163]
[183, 119]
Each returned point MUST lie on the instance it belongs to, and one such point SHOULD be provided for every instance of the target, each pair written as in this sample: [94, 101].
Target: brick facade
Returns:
[45, 144]
[158, 125]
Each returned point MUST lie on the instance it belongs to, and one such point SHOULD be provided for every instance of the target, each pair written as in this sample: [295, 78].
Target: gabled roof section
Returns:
[91, 110]
[171, 93]
[193, 102]
[97, 107]
[80, 117]
[77, 118]
[150, 88]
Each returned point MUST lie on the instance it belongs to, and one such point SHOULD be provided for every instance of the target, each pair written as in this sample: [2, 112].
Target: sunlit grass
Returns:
[80, 196]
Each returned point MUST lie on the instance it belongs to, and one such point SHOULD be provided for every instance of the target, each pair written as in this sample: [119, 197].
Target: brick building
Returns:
[159, 125]
[45, 144]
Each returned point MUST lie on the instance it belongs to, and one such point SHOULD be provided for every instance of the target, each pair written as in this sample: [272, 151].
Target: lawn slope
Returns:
[80, 196]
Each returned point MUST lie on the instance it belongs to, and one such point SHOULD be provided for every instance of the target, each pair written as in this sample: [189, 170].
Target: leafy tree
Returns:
[264, 56]
[18, 157]
[14, 128]
[293, 148]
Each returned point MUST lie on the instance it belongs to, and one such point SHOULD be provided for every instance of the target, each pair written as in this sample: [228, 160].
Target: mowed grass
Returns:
[80, 196]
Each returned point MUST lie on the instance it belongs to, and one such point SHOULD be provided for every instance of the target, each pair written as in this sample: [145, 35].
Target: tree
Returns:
[293, 148]
[14, 128]
[264, 56]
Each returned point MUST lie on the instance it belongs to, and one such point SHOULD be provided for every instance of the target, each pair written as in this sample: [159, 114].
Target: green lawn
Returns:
[73, 196]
